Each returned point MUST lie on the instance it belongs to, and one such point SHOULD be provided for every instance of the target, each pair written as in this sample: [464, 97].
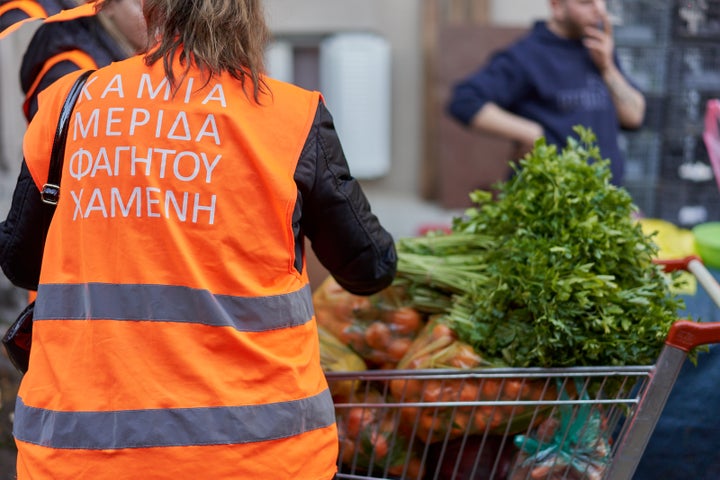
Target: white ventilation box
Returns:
[355, 79]
[279, 61]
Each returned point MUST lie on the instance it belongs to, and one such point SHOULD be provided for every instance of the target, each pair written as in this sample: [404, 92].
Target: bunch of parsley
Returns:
[569, 279]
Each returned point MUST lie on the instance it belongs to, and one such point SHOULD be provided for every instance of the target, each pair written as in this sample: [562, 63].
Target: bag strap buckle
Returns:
[50, 194]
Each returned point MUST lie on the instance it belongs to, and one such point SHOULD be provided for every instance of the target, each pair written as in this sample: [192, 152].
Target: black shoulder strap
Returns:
[51, 190]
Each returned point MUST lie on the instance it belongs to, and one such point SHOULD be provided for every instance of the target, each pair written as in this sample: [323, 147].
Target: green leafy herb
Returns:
[553, 272]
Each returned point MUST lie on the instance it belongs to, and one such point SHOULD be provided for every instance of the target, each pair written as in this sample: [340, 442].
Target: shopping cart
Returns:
[512, 423]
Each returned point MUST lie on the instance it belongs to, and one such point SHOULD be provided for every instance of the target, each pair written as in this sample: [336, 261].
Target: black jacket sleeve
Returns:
[22, 234]
[334, 214]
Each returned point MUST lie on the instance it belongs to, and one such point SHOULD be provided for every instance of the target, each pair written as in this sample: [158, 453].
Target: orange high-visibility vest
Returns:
[173, 337]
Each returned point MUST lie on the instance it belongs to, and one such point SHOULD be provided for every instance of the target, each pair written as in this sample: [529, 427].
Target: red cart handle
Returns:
[685, 334]
[694, 265]
[676, 264]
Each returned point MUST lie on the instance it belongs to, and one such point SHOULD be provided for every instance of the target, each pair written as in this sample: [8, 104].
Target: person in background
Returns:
[59, 48]
[563, 73]
[174, 333]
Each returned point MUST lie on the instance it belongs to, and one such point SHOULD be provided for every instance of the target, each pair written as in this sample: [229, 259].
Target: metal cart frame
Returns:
[423, 436]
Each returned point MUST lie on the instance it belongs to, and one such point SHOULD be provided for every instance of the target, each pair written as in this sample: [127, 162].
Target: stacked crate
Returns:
[671, 50]
[689, 193]
[642, 37]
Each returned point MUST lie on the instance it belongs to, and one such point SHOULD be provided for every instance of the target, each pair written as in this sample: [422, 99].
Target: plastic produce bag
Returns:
[437, 347]
[337, 357]
[673, 243]
[370, 441]
[380, 328]
[572, 445]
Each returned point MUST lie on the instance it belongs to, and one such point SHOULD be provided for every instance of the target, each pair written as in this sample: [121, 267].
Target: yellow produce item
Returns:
[379, 328]
[673, 243]
[335, 356]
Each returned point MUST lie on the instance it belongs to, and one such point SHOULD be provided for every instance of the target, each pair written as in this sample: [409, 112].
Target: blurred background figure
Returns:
[59, 48]
[563, 73]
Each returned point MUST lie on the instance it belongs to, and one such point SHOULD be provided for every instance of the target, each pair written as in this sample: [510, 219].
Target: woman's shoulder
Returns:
[275, 84]
[280, 91]
[59, 88]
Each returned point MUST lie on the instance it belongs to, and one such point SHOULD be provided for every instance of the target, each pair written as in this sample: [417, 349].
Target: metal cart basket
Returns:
[511, 424]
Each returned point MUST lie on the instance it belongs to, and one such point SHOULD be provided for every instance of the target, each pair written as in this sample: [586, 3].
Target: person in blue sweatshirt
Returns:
[563, 73]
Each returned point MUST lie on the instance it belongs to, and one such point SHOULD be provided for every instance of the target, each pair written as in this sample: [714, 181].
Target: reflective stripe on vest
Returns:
[173, 304]
[173, 427]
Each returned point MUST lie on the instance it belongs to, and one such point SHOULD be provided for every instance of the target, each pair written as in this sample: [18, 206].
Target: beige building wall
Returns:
[518, 12]
[400, 23]
[12, 122]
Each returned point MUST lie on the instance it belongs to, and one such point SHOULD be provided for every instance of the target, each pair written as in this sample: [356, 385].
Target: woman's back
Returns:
[169, 304]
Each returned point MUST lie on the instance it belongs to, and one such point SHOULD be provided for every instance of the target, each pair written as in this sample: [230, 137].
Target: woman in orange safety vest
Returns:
[174, 333]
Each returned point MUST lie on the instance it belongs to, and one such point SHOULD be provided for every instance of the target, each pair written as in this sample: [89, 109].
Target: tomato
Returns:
[398, 348]
[490, 389]
[347, 450]
[378, 335]
[515, 389]
[357, 419]
[405, 320]
[469, 392]
[380, 446]
[431, 426]
[442, 331]
[352, 337]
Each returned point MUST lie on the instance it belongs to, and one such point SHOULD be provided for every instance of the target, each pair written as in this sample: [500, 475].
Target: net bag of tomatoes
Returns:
[379, 327]
[437, 347]
[369, 441]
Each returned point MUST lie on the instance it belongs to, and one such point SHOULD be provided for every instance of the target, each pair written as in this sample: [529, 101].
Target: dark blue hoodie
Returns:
[550, 80]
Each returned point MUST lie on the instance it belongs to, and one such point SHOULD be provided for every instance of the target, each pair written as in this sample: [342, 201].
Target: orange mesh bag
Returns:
[380, 328]
[476, 403]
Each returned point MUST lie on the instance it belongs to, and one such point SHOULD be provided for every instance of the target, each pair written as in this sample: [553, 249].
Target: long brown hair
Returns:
[216, 35]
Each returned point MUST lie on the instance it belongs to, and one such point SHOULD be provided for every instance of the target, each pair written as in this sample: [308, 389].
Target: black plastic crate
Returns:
[646, 67]
[685, 158]
[684, 112]
[687, 205]
[696, 20]
[644, 195]
[641, 22]
[694, 66]
[642, 155]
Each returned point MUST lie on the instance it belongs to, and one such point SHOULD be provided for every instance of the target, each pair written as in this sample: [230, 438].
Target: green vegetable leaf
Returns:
[552, 271]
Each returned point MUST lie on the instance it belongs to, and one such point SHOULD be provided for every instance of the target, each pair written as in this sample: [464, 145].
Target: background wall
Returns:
[12, 127]
[517, 12]
[401, 23]
[12, 123]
